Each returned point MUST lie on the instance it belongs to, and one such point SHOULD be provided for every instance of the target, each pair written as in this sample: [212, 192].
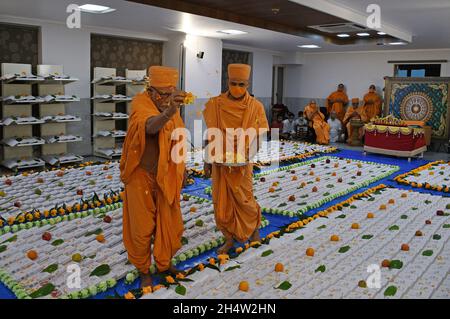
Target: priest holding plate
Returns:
[235, 122]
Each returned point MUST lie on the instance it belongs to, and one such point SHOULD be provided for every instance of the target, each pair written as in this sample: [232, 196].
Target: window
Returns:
[417, 70]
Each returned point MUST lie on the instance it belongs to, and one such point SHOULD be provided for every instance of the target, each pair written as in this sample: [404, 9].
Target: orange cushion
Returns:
[416, 123]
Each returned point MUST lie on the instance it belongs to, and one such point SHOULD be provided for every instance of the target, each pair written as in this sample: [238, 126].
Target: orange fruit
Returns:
[382, 207]
[370, 215]
[279, 267]
[193, 209]
[310, 252]
[243, 286]
[355, 226]
[271, 190]
[100, 238]
[404, 195]
[294, 178]
[405, 247]
[334, 238]
[391, 201]
[311, 173]
[385, 263]
[317, 179]
[333, 174]
[291, 198]
[314, 189]
[32, 254]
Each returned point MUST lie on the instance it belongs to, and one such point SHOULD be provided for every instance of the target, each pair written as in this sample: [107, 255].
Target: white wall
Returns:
[321, 72]
[203, 76]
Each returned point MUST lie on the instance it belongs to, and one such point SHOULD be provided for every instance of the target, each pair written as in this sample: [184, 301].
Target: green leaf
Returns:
[300, 237]
[98, 231]
[101, 270]
[321, 268]
[446, 226]
[436, 237]
[38, 192]
[326, 194]
[10, 240]
[390, 291]
[414, 208]
[322, 227]
[3, 248]
[404, 217]
[341, 216]
[395, 264]
[394, 227]
[267, 253]
[367, 236]
[344, 249]
[51, 268]
[184, 241]
[427, 253]
[285, 285]
[57, 242]
[282, 205]
[371, 199]
[232, 268]
[43, 291]
[181, 290]
[353, 207]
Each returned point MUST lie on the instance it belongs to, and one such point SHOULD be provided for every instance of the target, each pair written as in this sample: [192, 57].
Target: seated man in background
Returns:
[337, 101]
[372, 103]
[288, 127]
[354, 112]
[335, 128]
[301, 126]
[317, 121]
[278, 124]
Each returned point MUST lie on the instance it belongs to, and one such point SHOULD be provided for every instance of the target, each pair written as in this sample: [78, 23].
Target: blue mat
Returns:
[276, 221]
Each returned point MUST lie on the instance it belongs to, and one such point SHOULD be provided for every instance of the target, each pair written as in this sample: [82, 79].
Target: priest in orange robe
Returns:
[237, 214]
[357, 112]
[372, 103]
[317, 121]
[153, 180]
[337, 101]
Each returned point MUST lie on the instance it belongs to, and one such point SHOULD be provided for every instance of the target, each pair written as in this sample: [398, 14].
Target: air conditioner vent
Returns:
[339, 28]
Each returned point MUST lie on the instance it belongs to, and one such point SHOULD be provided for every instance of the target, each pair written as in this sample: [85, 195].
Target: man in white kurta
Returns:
[335, 127]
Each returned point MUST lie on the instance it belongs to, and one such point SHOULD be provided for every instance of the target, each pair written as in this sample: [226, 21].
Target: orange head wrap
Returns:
[239, 71]
[162, 76]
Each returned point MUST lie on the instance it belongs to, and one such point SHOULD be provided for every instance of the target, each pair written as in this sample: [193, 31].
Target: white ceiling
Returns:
[427, 20]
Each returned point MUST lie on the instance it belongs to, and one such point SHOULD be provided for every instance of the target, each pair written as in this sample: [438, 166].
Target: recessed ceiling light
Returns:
[381, 33]
[343, 35]
[94, 8]
[398, 43]
[363, 34]
[232, 32]
[309, 46]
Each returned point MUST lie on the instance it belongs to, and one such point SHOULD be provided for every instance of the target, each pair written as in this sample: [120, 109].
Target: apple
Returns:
[17, 204]
[47, 236]
[340, 180]
[8, 182]
[79, 192]
[262, 179]
[440, 213]
[313, 165]
[428, 222]
[107, 219]
[358, 173]
[328, 161]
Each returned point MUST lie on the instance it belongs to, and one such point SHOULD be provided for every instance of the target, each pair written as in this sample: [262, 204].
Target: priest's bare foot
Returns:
[173, 270]
[146, 280]
[226, 247]
[255, 236]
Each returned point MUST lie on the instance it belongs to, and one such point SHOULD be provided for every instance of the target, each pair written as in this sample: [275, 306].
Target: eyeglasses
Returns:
[162, 94]
[240, 84]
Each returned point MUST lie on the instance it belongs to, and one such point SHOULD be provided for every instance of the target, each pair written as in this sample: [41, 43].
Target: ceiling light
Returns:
[381, 33]
[309, 46]
[397, 43]
[343, 35]
[232, 32]
[363, 34]
[94, 8]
